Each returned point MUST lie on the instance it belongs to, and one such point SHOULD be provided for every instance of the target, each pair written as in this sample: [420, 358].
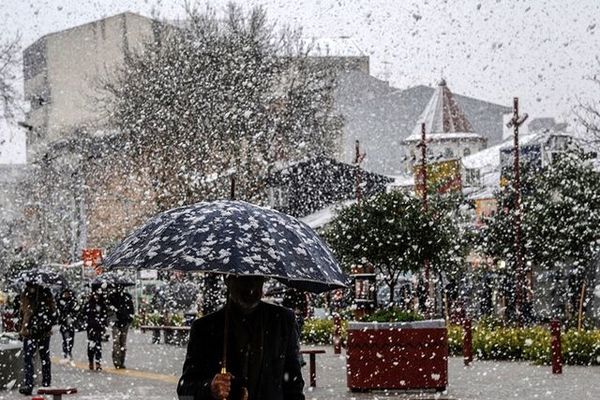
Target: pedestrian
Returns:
[96, 320]
[67, 314]
[296, 301]
[261, 349]
[121, 304]
[37, 313]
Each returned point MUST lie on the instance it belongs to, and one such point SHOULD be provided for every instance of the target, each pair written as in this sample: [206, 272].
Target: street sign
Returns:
[92, 258]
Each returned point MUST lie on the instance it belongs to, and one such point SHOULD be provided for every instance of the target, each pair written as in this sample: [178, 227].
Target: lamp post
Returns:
[516, 121]
[424, 190]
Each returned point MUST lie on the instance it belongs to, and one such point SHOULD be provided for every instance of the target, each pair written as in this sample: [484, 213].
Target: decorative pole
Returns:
[358, 158]
[515, 123]
[424, 190]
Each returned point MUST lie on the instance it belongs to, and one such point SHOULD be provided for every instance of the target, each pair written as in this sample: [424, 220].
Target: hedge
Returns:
[529, 344]
[494, 342]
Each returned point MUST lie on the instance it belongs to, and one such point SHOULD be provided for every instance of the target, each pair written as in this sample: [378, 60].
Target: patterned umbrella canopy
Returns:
[42, 277]
[232, 237]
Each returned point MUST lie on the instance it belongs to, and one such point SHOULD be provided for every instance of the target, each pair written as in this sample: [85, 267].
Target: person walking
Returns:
[261, 354]
[121, 303]
[37, 313]
[67, 312]
[96, 320]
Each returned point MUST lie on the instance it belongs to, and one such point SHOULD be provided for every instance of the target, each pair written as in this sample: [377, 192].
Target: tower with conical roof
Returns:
[450, 134]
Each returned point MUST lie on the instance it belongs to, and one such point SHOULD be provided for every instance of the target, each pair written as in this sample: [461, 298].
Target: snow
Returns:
[12, 143]
[325, 215]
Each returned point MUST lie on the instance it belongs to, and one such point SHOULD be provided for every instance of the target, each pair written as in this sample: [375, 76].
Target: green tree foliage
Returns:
[393, 232]
[561, 215]
[220, 96]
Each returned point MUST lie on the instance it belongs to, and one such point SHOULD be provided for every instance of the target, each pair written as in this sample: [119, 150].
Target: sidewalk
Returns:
[153, 370]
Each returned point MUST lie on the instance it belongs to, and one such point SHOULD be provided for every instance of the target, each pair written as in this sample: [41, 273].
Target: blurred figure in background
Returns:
[96, 320]
[37, 314]
[67, 314]
[121, 304]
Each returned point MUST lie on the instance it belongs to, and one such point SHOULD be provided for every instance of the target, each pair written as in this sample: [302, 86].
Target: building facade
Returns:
[63, 72]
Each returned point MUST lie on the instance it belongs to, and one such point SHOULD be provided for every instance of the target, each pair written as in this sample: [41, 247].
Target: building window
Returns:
[466, 152]
[448, 153]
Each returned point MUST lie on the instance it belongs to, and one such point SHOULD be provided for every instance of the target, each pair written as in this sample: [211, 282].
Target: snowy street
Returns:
[153, 370]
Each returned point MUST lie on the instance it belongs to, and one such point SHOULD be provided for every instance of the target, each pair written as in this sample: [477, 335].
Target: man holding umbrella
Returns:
[255, 342]
[248, 349]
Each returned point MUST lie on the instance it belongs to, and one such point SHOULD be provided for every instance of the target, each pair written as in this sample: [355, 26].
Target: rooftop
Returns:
[443, 116]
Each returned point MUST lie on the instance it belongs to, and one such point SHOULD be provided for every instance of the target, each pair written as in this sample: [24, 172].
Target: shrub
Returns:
[498, 344]
[536, 345]
[392, 314]
[455, 340]
[581, 347]
[320, 331]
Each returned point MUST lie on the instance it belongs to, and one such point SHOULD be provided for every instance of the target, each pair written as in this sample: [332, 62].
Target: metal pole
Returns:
[425, 190]
[232, 188]
[556, 347]
[358, 157]
[467, 341]
[518, 217]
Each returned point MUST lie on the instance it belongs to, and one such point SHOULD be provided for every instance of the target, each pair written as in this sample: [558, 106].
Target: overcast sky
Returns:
[540, 50]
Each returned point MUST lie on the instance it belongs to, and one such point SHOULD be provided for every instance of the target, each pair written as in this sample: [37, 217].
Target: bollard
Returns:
[556, 348]
[337, 334]
[467, 341]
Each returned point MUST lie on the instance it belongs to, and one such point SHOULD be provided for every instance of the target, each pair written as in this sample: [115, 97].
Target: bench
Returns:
[57, 393]
[167, 332]
[312, 361]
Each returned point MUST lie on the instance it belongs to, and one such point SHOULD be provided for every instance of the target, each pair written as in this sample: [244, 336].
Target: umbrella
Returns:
[111, 280]
[232, 237]
[42, 277]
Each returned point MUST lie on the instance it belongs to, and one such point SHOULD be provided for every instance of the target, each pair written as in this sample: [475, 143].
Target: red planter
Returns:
[411, 355]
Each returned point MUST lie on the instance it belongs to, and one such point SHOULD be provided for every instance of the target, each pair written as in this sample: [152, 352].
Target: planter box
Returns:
[401, 355]
[11, 365]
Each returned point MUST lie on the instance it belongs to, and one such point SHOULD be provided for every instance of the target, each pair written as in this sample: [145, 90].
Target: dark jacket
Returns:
[67, 311]
[37, 312]
[279, 376]
[121, 304]
[95, 312]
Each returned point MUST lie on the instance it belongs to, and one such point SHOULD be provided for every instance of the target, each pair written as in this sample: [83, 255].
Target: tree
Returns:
[392, 232]
[588, 113]
[220, 97]
[9, 64]
[561, 215]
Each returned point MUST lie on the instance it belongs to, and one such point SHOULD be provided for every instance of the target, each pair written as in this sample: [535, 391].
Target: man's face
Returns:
[245, 291]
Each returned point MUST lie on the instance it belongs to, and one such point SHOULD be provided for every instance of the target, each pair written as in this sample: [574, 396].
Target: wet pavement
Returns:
[153, 369]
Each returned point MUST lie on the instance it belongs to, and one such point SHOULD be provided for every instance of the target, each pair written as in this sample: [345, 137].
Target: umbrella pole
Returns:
[226, 336]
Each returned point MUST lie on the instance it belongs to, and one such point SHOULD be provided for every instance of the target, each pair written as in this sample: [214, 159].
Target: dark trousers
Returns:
[94, 349]
[68, 337]
[119, 345]
[29, 348]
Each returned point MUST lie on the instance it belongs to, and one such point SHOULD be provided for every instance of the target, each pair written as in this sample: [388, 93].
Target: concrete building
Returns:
[62, 72]
[449, 133]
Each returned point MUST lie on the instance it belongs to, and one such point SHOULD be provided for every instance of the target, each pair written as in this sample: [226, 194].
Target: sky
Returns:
[542, 51]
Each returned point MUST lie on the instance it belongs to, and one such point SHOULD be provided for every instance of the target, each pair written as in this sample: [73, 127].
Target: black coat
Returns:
[121, 303]
[67, 311]
[96, 317]
[280, 375]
